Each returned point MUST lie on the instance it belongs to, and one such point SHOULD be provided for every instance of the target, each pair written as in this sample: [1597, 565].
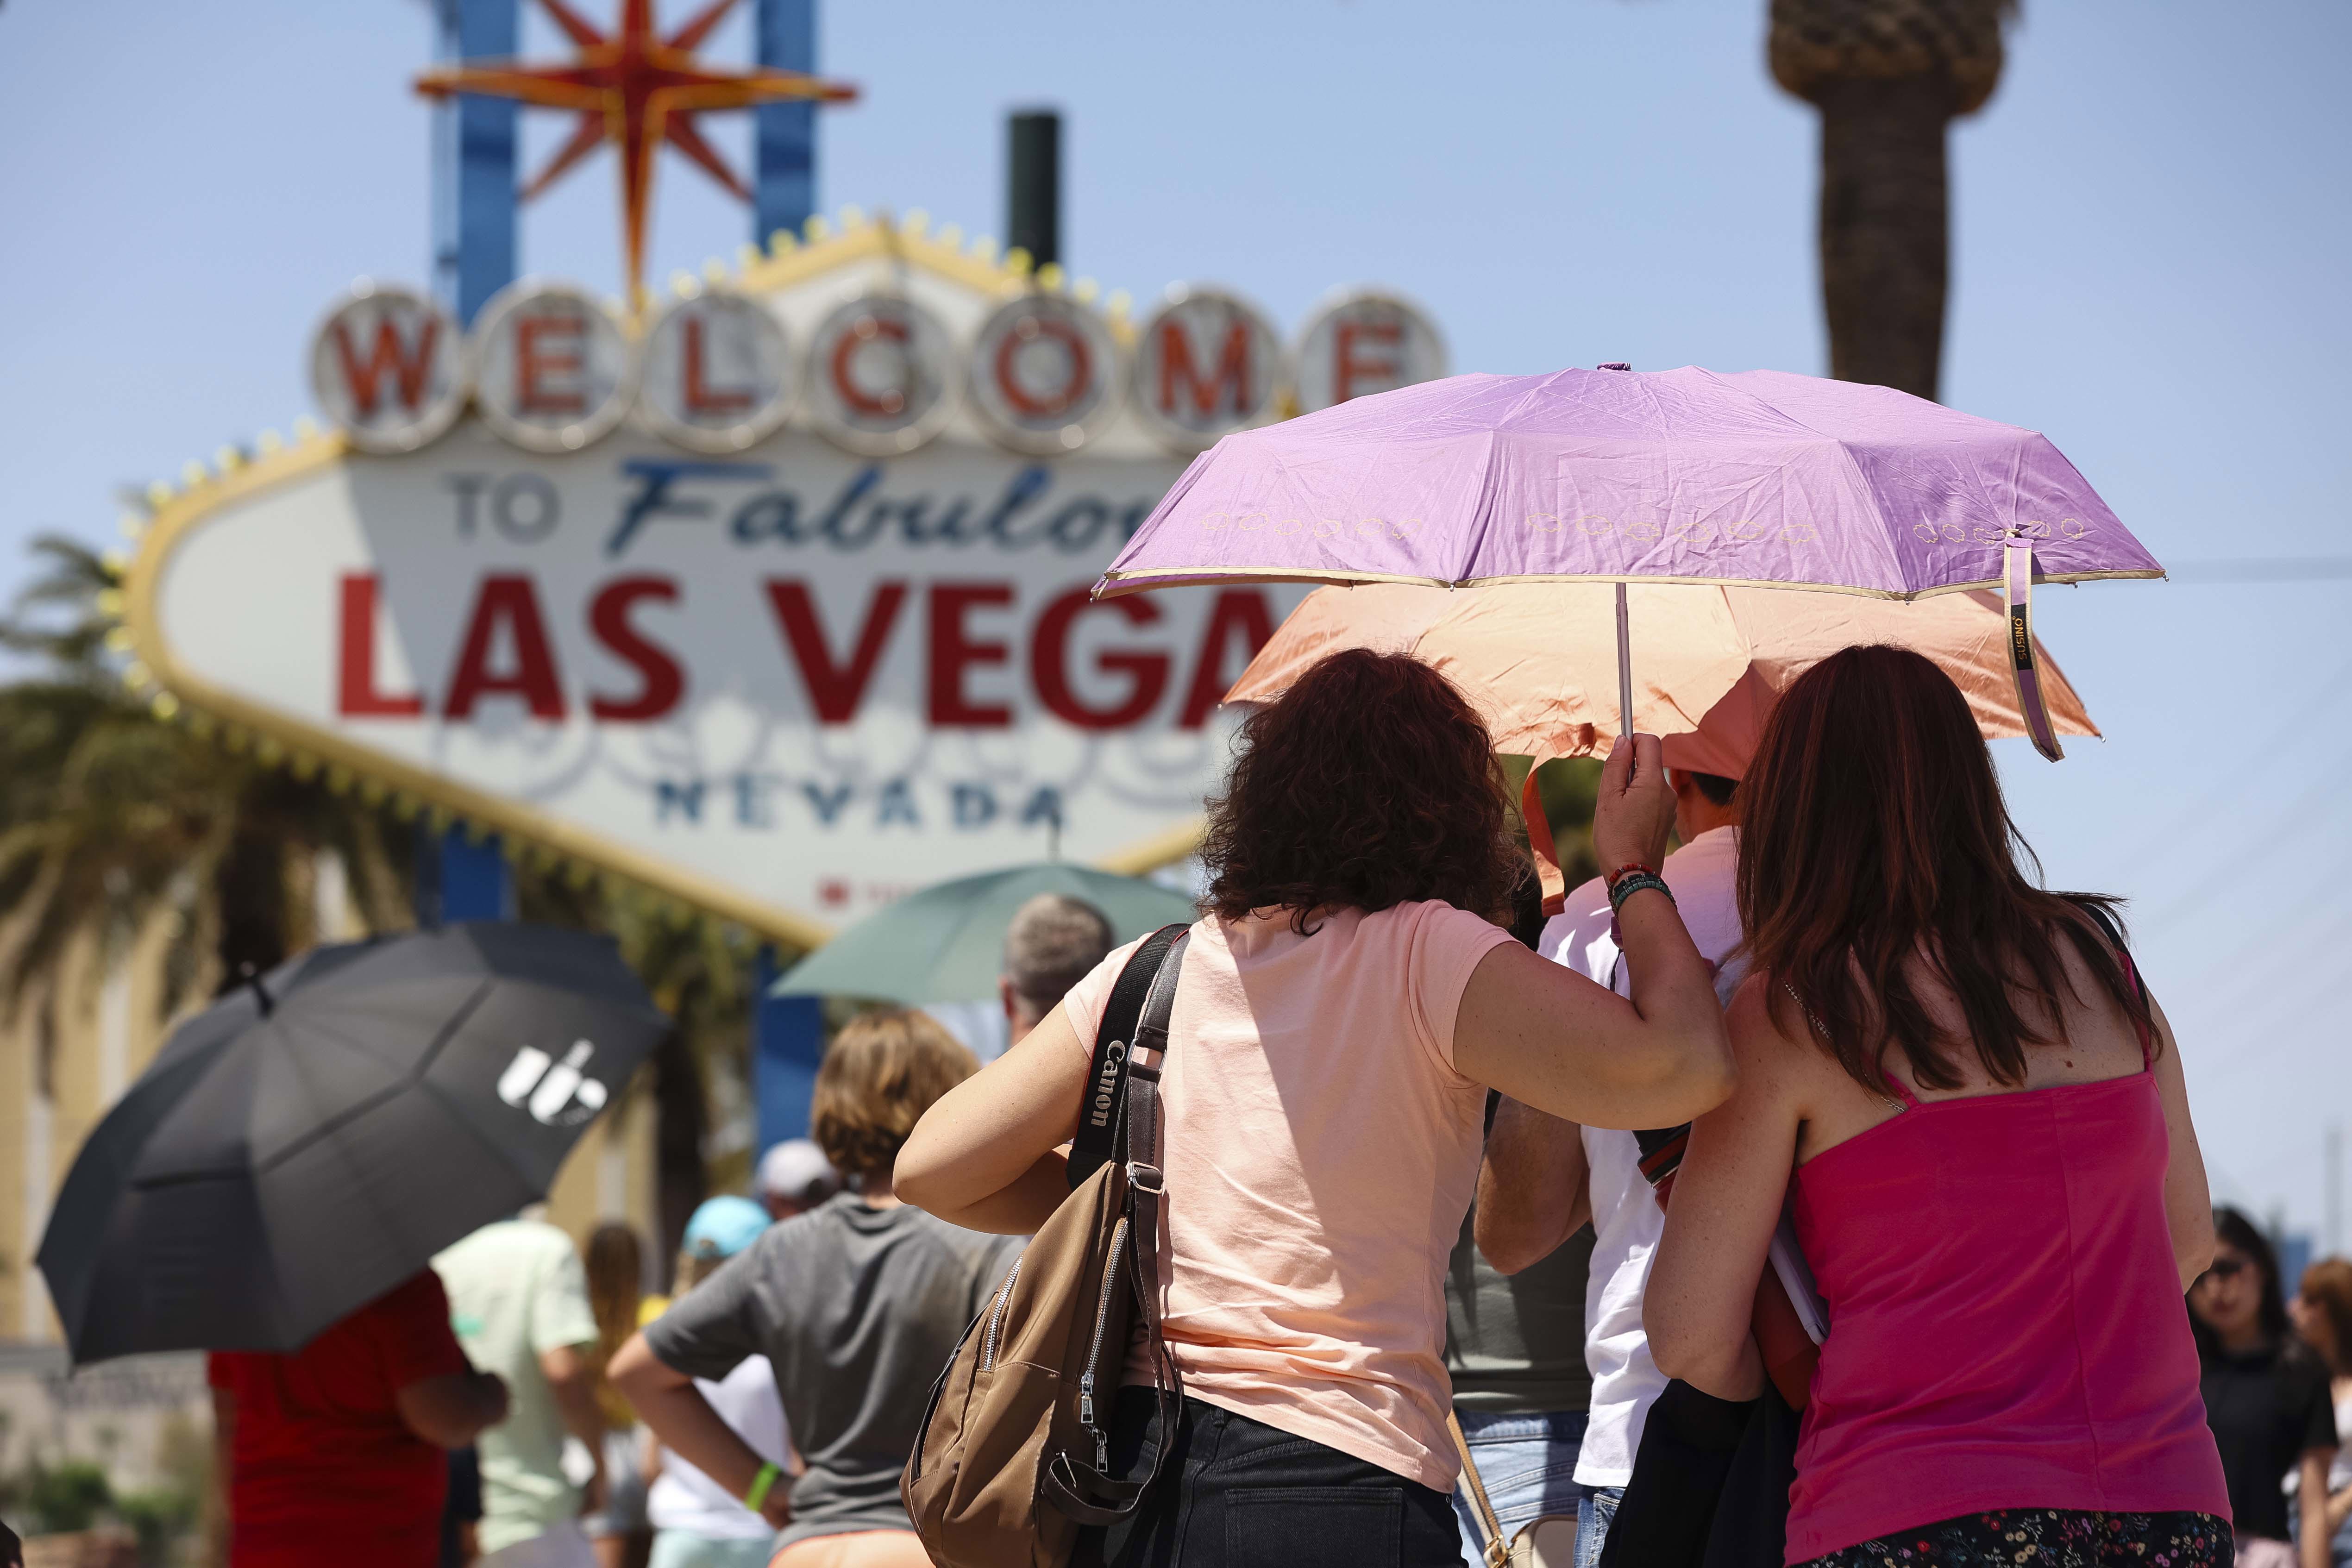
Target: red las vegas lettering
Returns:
[1146, 669]
[660, 682]
[834, 690]
[505, 652]
[357, 694]
[1242, 610]
[955, 652]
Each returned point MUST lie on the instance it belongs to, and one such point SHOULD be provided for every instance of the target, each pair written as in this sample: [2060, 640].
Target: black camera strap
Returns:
[1100, 1114]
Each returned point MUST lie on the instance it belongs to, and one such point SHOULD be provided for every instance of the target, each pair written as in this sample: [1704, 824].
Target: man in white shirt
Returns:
[519, 1300]
[1539, 1169]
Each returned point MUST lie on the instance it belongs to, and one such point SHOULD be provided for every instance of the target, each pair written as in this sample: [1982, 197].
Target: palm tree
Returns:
[112, 816]
[1889, 77]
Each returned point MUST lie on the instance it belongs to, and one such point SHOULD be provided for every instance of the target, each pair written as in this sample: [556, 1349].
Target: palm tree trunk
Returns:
[1885, 227]
[681, 1181]
[251, 887]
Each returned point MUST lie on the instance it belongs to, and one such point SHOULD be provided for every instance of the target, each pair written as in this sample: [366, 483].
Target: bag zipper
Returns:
[996, 1311]
[1094, 1351]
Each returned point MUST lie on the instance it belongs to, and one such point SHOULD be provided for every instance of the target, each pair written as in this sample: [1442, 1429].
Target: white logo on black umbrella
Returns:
[556, 1093]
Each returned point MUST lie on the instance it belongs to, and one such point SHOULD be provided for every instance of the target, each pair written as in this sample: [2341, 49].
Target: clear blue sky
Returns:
[2151, 227]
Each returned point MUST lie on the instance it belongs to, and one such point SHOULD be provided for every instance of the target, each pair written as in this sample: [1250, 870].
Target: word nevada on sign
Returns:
[777, 600]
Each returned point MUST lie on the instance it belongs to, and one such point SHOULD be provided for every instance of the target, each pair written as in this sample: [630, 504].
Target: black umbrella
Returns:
[309, 1142]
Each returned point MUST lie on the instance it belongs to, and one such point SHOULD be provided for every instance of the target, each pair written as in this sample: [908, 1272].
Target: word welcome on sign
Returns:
[552, 369]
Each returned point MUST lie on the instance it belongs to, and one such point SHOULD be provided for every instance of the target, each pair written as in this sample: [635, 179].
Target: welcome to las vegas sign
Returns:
[776, 601]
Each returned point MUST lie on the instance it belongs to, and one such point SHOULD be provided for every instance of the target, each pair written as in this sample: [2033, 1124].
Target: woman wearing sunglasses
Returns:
[2266, 1396]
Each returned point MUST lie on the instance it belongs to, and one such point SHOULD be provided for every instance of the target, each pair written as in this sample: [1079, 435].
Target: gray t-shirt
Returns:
[858, 1309]
[1515, 1342]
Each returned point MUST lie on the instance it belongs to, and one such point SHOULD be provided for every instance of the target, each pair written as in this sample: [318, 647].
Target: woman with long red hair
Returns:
[1981, 1116]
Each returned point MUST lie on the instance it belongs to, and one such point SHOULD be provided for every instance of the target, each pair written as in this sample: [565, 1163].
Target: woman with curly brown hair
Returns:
[1343, 1006]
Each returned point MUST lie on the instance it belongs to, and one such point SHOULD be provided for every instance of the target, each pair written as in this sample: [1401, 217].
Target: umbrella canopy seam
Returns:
[1139, 579]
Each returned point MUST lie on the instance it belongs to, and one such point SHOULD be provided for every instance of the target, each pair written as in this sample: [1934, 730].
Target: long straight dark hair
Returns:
[1874, 842]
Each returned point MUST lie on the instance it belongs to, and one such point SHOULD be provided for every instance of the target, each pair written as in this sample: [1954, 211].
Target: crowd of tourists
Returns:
[1825, 1192]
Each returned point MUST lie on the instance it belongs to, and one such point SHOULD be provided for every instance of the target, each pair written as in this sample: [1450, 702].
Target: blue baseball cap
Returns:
[722, 1227]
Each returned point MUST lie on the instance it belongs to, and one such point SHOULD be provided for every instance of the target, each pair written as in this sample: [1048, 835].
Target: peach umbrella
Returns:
[1539, 660]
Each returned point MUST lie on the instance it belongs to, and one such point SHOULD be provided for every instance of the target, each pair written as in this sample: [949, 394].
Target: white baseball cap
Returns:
[797, 1171]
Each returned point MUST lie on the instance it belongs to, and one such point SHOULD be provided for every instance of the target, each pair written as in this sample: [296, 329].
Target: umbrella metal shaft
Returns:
[1624, 666]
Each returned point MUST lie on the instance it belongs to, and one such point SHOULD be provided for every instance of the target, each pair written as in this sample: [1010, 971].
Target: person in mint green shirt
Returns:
[519, 1300]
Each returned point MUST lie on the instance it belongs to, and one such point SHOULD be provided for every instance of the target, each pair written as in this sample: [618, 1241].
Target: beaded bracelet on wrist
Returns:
[1625, 887]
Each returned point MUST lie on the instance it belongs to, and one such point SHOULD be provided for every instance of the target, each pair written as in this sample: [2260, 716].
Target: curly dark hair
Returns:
[1369, 783]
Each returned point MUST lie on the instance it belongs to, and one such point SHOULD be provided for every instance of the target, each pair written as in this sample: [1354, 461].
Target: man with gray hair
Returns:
[1053, 941]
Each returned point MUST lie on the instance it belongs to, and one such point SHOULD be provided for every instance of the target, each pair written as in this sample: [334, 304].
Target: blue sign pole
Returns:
[474, 144]
[788, 1042]
[461, 878]
[474, 201]
[787, 1032]
[784, 193]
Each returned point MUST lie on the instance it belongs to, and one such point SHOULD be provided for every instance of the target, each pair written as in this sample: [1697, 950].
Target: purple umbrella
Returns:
[1762, 479]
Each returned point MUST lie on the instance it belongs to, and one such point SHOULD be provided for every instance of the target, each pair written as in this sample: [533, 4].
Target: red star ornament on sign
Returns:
[636, 89]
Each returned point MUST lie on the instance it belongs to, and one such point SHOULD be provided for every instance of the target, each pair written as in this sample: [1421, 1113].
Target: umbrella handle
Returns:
[252, 978]
[2017, 602]
[1625, 666]
[1551, 882]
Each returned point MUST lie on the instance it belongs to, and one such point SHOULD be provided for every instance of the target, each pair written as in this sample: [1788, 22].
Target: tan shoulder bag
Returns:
[1545, 1542]
[1014, 1452]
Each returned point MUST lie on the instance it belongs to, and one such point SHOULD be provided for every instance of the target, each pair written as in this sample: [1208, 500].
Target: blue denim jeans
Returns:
[1595, 1515]
[1529, 1465]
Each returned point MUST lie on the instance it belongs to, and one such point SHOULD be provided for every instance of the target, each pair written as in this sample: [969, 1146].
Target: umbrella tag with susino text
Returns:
[2017, 597]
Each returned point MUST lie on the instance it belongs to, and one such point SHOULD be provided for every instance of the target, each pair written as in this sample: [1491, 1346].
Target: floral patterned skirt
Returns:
[2048, 1538]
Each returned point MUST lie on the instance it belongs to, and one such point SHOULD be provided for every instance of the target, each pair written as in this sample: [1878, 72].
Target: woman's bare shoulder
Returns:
[1783, 1057]
[1768, 1027]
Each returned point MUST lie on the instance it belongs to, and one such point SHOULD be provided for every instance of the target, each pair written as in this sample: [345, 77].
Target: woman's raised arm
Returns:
[985, 1156]
[1548, 1038]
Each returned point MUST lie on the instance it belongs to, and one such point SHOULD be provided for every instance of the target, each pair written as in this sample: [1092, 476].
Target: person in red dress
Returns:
[336, 1453]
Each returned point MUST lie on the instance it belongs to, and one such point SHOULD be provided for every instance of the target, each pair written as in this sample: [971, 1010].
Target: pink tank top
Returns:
[2006, 1322]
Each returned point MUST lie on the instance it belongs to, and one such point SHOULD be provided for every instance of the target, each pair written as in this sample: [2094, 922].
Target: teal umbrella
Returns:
[946, 943]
